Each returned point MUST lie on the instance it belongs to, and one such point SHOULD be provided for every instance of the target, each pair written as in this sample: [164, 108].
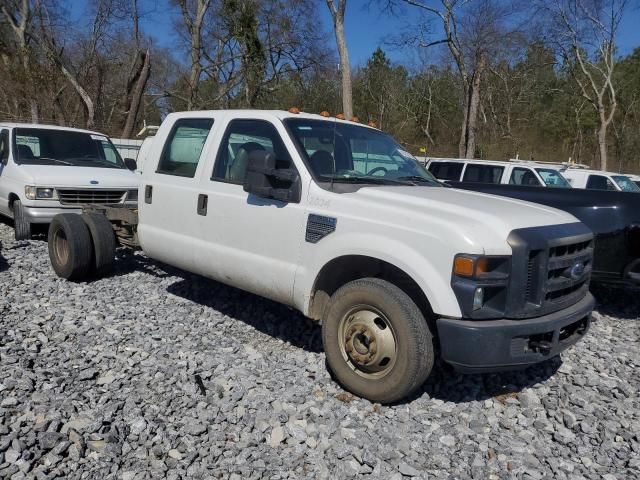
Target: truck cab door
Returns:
[4, 164]
[249, 242]
[169, 191]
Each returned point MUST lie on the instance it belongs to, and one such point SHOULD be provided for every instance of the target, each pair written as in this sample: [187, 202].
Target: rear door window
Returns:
[181, 153]
[483, 173]
[4, 146]
[446, 170]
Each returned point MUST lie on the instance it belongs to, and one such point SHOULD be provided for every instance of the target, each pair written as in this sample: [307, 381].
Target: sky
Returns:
[366, 27]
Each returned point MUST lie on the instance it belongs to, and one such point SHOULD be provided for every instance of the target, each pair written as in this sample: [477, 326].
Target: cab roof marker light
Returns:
[295, 110]
[372, 124]
[340, 116]
[355, 119]
[324, 113]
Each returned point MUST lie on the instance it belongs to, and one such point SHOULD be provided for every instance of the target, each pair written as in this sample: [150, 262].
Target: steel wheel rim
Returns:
[61, 246]
[367, 342]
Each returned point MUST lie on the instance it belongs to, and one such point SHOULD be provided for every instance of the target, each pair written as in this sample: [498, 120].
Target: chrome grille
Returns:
[90, 196]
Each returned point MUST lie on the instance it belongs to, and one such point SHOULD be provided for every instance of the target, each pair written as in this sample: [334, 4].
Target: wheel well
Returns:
[12, 198]
[345, 269]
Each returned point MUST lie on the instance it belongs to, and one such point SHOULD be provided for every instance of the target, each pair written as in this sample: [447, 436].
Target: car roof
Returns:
[279, 114]
[42, 126]
[486, 162]
[593, 171]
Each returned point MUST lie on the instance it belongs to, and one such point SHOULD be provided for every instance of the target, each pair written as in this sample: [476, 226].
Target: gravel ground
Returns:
[154, 372]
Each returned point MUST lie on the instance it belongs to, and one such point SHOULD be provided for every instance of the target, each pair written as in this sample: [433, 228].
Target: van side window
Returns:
[523, 176]
[483, 173]
[446, 170]
[4, 146]
[600, 182]
[242, 138]
[181, 152]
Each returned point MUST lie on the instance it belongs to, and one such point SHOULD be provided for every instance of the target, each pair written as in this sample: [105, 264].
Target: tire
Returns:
[21, 225]
[70, 247]
[374, 309]
[103, 241]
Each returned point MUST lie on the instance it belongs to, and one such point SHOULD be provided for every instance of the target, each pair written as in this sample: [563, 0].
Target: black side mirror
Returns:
[265, 180]
[131, 164]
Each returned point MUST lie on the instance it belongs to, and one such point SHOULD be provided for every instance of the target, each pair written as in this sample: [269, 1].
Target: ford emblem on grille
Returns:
[576, 271]
[94, 182]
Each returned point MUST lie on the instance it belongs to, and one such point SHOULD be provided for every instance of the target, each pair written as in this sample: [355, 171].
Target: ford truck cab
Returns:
[336, 220]
[46, 170]
[597, 179]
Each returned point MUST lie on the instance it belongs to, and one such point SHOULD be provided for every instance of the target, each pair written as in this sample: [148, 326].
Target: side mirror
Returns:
[265, 180]
[131, 164]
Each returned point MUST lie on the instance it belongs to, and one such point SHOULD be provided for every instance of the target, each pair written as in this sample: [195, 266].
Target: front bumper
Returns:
[46, 214]
[475, 346]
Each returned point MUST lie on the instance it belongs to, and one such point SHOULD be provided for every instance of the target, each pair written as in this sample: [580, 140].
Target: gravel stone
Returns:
[155, 373]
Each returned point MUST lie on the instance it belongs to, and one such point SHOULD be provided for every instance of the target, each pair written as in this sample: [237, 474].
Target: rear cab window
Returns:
[478, 173]
[446, 170]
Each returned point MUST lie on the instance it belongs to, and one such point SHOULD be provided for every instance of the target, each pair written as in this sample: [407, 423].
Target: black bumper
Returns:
[475, 346]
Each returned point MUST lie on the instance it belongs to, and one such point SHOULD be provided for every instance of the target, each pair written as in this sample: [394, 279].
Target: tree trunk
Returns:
[467, 145]
[345, 69]
[86, 98]
[337, 13]
[602, 142]
[136, 96]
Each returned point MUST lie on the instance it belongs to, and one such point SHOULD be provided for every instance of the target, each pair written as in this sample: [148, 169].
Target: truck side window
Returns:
[446, 170]
[483, 173]
[523, 176]
[4, 146]
[181, 152]
[599, 182]
[241, 139]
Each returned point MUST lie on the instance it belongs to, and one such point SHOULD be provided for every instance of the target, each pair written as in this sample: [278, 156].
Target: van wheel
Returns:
[377, 342]
[103, 240]
[70, 248]
[21, 225]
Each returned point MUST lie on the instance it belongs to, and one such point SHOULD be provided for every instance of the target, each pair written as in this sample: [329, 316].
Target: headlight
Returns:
[39, 193]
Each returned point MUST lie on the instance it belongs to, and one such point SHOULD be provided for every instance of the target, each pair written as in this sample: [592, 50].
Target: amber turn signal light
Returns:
[463, 266]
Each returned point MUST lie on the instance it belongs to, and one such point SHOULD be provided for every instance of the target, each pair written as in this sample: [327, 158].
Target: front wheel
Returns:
[22, 226]
[377, 342]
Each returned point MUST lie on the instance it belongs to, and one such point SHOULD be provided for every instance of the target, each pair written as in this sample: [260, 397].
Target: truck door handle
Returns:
[202, 204]
[148, 193]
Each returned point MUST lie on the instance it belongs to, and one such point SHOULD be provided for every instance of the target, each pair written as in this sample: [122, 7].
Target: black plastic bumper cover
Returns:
[495, 345]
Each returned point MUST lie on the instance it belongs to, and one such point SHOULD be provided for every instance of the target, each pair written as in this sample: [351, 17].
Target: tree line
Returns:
[495, 79]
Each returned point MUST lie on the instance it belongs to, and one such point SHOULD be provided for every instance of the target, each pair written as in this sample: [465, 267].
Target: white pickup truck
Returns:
[336, 220]
[46, 170]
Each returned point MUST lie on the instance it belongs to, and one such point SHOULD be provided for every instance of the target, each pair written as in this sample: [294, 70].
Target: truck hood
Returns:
[479, 218]
[67, 176]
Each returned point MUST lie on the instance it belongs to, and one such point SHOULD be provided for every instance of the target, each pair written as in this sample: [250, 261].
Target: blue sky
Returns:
[366, 28]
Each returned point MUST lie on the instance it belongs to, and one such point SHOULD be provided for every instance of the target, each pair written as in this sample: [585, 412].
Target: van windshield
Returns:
[42, 146]
[552, 178]
[343, 153]
[625, 183]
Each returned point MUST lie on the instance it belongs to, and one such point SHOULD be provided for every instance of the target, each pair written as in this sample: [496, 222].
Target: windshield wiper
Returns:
[374, 180]
[416, 178]
[36, 159]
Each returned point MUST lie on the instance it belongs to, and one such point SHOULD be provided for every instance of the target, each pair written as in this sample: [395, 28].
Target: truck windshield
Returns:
[45, 146]
[625, 183]
[552, 178]
[343, 153]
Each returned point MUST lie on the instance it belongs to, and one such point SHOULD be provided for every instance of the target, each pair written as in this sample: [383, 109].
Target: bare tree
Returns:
[471, 37]
[194, 22]
[586, 31]
[337, 13]
[19, 19]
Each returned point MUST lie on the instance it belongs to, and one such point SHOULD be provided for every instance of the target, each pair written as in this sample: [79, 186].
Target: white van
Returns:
[530, 174]
[597, 179]
[46, 170]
